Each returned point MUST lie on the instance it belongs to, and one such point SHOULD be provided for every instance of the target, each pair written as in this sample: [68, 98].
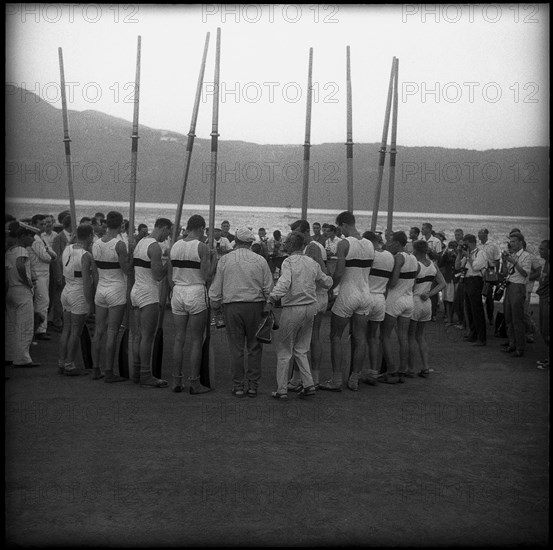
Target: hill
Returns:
[507, 182]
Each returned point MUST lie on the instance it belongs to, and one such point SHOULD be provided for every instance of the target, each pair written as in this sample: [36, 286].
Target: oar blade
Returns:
[157, 353]
[86, 348]
[124, 354]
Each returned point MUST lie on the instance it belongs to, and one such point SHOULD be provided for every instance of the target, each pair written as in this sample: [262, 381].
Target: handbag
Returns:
[267, 324]
[491, 275]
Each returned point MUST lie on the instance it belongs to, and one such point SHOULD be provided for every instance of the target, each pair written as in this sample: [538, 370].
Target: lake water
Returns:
[271, 218]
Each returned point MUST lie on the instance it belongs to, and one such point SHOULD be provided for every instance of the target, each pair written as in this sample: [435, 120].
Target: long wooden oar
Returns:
[393, 152]
[126, 355]
[349, 135]
[383, 150]
[157, 352]
[307, 143]
[205, 378]
[86, 344]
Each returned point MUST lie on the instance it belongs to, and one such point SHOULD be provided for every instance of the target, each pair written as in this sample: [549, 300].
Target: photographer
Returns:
[474, 261]
[516, 265]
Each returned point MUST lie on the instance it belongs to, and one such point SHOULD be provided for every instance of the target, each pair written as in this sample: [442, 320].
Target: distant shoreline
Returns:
[275, 209]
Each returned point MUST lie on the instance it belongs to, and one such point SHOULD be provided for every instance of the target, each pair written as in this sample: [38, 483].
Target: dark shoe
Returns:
[390, 378]
[177, 386]
[469, 339]
[26, 365]
[238, 392]
[280, 396]
[198, 389]
[251, 392]
[479, 344]
[424, 373]
[97, 374]
[307, 392]
[330, 385]
[296, 388]
[505, 345]
[368, 379]
[42, 336]
[150, 382]
[111, 378]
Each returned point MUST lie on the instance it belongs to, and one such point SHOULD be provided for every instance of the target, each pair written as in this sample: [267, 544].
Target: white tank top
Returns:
[71, 260]
[143, 277]
[424, 279]
[107, 262]
[381, 271]
[359, 261]
[185, 260]
[407, 275]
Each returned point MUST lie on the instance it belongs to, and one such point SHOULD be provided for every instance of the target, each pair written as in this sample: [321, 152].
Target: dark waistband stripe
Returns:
[427, 279]
[408, 275]
[185, 264]
[359, 263]
[380, 273]
[107, 265]
[137, 262]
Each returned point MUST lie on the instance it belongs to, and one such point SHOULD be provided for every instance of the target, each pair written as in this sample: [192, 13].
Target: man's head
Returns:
[114, 220]
[277, 234]
[196, 225]
[22, 233]
[316, 229]
[544, 249]
[66, 223]
[426, 229]
[483, 235]
[516, 242]
[244, 236]
[397, 241]
[85, 233]
[459, 234]
[470, 240]
[420, 248]
[225, 227]
[374, 238]
[295, 240]
[162, 229]
[414, 233]
[345, 221]
[38, 221]
[62, 215]
[330, 231]
[301, 225]
[48, 223]
[262, 233]
[142, 230]
[85, 220]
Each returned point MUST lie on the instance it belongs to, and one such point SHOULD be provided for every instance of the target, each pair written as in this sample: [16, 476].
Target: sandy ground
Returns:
[459, 459]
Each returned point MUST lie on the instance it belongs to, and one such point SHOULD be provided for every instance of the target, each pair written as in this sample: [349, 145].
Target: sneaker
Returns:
[330, 385]
[368, 379]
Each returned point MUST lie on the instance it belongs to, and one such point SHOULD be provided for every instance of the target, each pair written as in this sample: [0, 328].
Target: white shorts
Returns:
[73, 301]
[378, 308]
[349, 302]
[322, 300]
[422, 310]
[112, 296]
[188, 299]
[144, 296]
[400, 307]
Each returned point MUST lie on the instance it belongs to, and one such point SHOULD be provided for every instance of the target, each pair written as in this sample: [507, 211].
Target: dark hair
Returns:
[37, 218]
[16, 230]
[66, 221]
[400, 237]
[421, 247]
[300, 225]
[85, 219]
[427, 224]
[277, 234]
[142, 226]
[345, 217]
[163, 222]
[225, 221]
[114, 220]
[332, 228]
[297, 239]
[62, 215]
[517, 235]
[195, 222]
[415, 230]
[84, 231]
[99, 215]
[316, 223]
[324, 226]
[370, 236]
[469, 238]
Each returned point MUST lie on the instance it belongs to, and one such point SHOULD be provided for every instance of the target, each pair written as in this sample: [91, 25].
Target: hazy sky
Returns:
[471, 76]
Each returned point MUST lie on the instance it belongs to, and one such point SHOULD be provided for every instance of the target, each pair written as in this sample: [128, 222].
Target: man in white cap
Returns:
[242, 285]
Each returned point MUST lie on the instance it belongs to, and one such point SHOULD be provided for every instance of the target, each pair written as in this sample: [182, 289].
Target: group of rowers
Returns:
[372, 290]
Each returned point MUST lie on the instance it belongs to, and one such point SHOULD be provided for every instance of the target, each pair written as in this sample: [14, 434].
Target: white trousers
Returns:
[293, 339]
[42, 300]
[19, 324]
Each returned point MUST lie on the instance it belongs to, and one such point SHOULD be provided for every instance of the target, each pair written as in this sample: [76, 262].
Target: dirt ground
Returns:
[459, 459]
